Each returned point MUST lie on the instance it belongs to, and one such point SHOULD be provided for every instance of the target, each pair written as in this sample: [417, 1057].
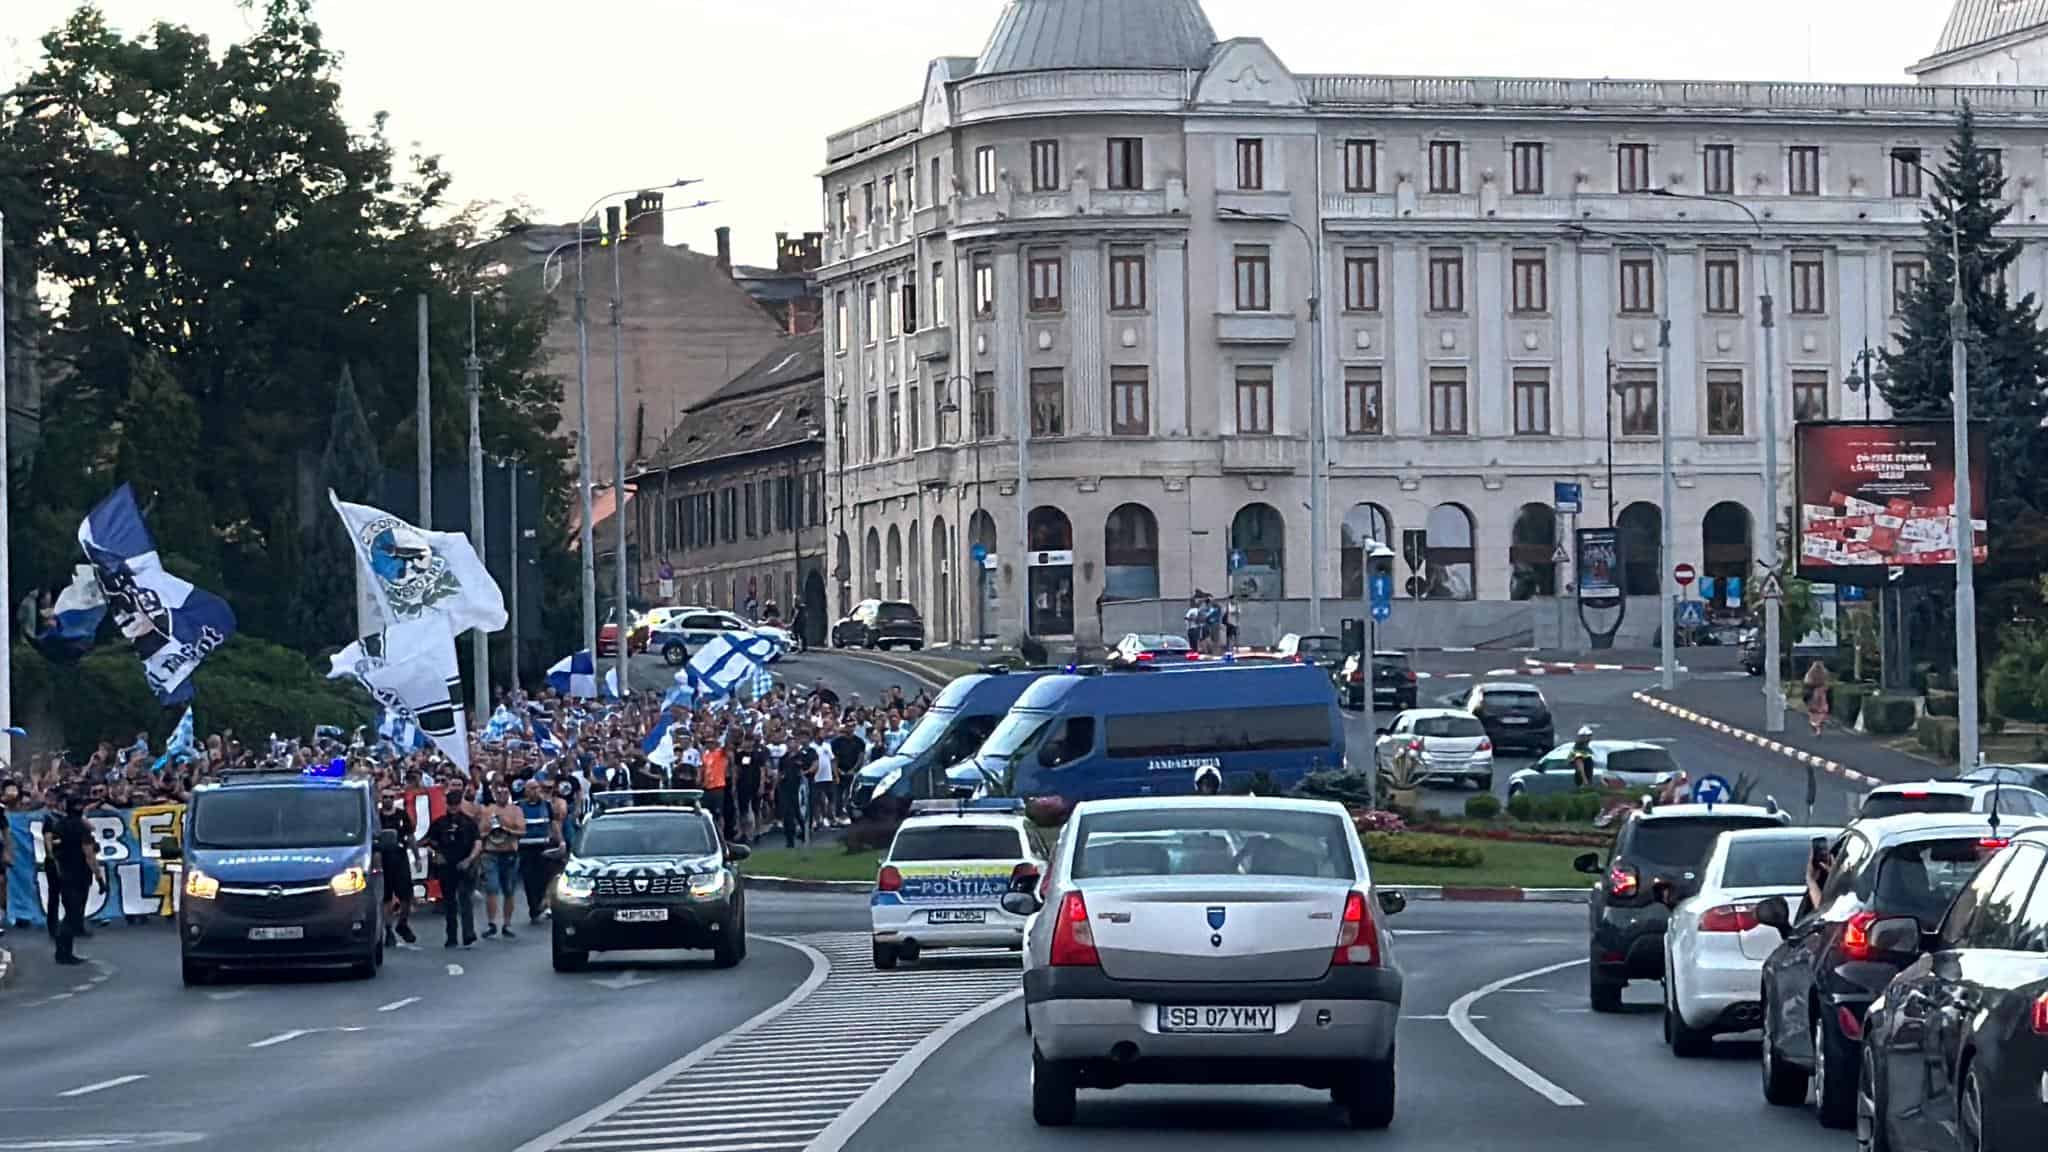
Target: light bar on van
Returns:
[964, 806]
[648, 798]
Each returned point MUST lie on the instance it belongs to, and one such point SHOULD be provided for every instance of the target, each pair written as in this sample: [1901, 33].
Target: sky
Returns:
[555, 104]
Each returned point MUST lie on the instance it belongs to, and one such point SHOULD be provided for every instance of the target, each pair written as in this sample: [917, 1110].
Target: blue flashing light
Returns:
[334, 769]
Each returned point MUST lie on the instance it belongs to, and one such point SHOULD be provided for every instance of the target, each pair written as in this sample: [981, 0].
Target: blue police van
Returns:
[1092, 736]
[282, 869]
[966, 711]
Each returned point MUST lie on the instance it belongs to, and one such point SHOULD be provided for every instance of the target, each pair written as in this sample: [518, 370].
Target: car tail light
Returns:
[1409, 675]
[890, 880]
[1856, 936]
[1415, 745]
[1357, 939]
[1357, 676]
[1485, 745]
[1144, 656]
[1192, 654]
[2041, 1015]
[1613, 782]
[1073, 941]
[1992, 843]
[1622, 881]
[1915, 794]
[1296, 657]
[1849, 1022]
[1729, 918]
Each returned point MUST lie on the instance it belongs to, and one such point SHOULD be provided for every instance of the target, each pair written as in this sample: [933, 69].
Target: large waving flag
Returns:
[415, 677]
[78, 611]
[727, 663]
[575, 675]
[405, 573]
[171, 624]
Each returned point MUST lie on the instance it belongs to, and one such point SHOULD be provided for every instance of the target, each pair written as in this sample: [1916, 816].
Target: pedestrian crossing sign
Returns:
[1770, 587]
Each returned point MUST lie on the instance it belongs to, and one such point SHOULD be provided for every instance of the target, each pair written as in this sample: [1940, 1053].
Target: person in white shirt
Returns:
[821, 781]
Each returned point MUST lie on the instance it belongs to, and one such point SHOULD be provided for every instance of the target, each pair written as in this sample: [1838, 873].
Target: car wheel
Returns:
[1604, 995]
[196, 975]
[885, 956]
[1514, 790]
[570, 961]
[1872, 1135]
[1368, 1098]
[674, 655]
[1970, 1113]
[1052, 1091]
[1687, 1042]
[1784, 1085]
[731, 949]
[1834, 1076]
[870, 643]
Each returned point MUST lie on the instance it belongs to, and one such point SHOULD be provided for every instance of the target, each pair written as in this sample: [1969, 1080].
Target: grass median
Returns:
[829, 861]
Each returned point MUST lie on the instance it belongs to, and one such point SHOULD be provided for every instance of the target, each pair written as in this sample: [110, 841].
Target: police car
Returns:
[649, 871]
[942, 883]
[282, 869]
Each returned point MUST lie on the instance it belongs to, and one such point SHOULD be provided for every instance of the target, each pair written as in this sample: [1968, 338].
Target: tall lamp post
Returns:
[959, 411]
[1867, 377]
[1316, 419]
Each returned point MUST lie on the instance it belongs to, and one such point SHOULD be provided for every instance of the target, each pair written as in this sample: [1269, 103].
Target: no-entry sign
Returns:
[1684, 574]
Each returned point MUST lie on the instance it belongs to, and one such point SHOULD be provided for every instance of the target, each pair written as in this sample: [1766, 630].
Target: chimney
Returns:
[725, 250]
[644, 217]
[611, 223]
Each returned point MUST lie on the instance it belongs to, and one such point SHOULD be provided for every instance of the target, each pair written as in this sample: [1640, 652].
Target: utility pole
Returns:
[472, 386]
[1965, 531]
[514, 554]
[6, 478]
[1667, 615]
[589, 549]
[620, 608]
[425, 426]
[1774, 636]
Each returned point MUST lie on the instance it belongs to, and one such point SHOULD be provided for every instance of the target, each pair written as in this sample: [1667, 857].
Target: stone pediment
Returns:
[1246, 72]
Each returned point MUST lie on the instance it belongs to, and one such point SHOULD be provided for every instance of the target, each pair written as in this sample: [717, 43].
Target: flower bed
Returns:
[1422, 851]
[1518, 834]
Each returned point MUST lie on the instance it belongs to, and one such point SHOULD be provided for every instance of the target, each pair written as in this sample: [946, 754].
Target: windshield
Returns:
[1460, 726]
[1645, 760]
[648, 834]
[1682, 842]
[960, 842]
[896, 613]
[1893, 803]
[1777, 862]
[1320, 646]
[1016, 734]
[1499, 701]
[1162, 644]
[1919, 880]
[931, 728]
[278, 818]
[1213, 840]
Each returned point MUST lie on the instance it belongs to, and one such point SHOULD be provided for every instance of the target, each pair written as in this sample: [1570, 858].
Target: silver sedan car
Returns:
[1209, 940]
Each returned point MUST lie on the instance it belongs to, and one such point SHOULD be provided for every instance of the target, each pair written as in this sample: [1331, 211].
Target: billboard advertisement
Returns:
[1599, 564]
[1881, 495]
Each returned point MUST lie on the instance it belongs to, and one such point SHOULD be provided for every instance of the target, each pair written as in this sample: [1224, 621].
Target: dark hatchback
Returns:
[1393, 682]
[1656, 863]
[1516, 716]
[1955, 1051]
[1833, 962]
[649, 871]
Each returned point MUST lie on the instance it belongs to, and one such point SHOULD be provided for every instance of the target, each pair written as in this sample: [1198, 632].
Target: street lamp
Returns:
[1316, 420]
[960, 412]
[1868, 375]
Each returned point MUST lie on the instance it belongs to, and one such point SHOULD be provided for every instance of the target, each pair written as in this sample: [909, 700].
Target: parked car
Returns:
[1616, 764]
[1393, 681]
[1750, 645]
[2033, 776]
[1452, 745]
[1516, 716]
[1148, 647]
[1953, 796]
[1956, 1048]
[692, 627]
[1320, 650]
[608, 634]
[880, 624]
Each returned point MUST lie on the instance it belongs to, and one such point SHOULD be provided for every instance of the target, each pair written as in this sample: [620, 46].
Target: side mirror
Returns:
[1382, 730]
[1391, 903]
[1021, 903]
[1896, 935]
[387, 840]
[1024, 878]
[737, 852]
[170, 850]
[1775, 913]
[1588, 863]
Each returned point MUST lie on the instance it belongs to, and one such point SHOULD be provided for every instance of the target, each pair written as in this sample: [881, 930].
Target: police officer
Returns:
[73, 872]
[1208, 781]
[1582, 757]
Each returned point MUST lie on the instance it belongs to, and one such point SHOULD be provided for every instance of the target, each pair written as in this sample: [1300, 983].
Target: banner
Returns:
[172, 625]
[133, 880]
[1877, 496]
[1599, 565]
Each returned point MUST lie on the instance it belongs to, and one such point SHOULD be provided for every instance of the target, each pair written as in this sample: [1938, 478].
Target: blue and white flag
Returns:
[414, 675]
[544, 737]
[405, 573]
[172, 625]
[502, 725]
[182, 745]
[575, 675]
[402, 732]
[78, 611]
[727, 663]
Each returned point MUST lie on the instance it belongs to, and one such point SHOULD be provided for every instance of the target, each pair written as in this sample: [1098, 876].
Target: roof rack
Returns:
[989, 805]
[601, 802]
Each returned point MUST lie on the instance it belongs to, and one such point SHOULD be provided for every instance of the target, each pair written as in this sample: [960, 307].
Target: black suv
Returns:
[880, 624]
[1833, 962]
[649, 871]
[1516, 716]
[1393, 682]
[1655, 863]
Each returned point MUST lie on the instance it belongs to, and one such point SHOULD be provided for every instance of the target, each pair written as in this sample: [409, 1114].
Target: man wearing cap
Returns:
[457, 844]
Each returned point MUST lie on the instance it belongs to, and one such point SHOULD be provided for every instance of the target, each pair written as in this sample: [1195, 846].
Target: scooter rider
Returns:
[1582, 756]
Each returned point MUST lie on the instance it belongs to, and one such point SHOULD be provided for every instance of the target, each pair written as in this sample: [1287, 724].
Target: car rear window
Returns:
[1449, 726]
[1640, 760]
[1396, 663]
[896, 613]
[1895, 803]
[1919, 880]
[278, 818]
[1513, 701]
[1682, 841]
[939, 842]
[1321, 645]
[648, 834]
[1213, 840]
[1773, 863]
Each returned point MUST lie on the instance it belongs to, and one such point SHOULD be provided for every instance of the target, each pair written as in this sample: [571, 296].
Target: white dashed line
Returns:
[116, 1082]
[395, 1005]
[280, 1038]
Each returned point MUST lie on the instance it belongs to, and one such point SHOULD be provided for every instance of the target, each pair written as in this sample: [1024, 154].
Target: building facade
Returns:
[1068, 297]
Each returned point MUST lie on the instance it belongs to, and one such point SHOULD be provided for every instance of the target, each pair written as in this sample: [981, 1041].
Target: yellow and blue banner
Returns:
[133, 880]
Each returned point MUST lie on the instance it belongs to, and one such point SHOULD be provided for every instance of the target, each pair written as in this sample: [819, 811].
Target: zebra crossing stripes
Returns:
[777, 1087]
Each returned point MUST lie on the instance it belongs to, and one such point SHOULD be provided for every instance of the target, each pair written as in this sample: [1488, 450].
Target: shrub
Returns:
[1940, 736]
[1846, 701]
[1887, 715]
[1482, 807]
[1940, 702]
[1424, 851]
[1795, 692]
[1378, 820]
[1352, 789]
[1996, 723]
[1522, 806]
[871, 835]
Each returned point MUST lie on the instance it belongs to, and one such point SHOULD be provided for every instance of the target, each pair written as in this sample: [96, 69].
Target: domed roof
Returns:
[1042, 35]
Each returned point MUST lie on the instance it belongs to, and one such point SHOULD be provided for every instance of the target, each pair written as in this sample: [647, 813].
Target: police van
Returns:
[1089, 736]
[966, 711]
[942, 882]
[281, 869]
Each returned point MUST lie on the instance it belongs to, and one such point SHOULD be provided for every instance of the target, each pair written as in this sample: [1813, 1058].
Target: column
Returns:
[1596, 330]
[1681, 301]
[1571, 341]
[1170, 319]
[1490, 396]
[1855, 302]
[1087, 391]
[1012, 385]
[1410, 288]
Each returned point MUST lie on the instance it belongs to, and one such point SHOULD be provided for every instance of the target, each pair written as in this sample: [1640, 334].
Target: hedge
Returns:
[1846, 701]
[1426, 851]
[1940, 703]
[1482, 807]
[1888, 715]
[1559, 808]
[1940, 735]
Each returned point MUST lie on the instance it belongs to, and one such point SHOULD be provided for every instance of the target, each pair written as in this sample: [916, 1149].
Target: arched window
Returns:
[871, 567]
[1130, 554]
[1640, 531]
[1449, 554]
[1258, 553]
[1051, 562]
[981, 530]
[1532, 553]
[943, 565]
[1365, 522]
[842, 574]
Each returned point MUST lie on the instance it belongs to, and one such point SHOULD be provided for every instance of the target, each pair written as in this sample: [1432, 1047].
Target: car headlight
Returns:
[574, 887]
[709, 886]
[888, 781]
[200, 886]
[349, 881]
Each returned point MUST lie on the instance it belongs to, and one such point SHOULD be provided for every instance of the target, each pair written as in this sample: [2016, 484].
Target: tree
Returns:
[324, 614]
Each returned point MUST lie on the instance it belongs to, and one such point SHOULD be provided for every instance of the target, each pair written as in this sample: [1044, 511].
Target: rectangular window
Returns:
[939, 293]
[1048, 402]
[1532, 280]
[1717, 169]
[840, 320]
[870, 210]
[1995, 158]
[1907, 272]
[984, 171]
[1906, 173]
[1447, 401]
[1126, 163]
[845, 214]
[1532, 401]
[1362, 400]
[1802, 170]
[1528, 169]
[1809, 394]
[1446, 280]
[1255, 399]
[1045, 165]
[984, 405]
[1130, 400]
[910, 188]
[1126, 281]
[1251, 165]
[871, 312]
[938, 187]
[1361, 165]
[1638, 285]
[874, 415]
[895, 294]
[1361, 280]
[1724, 283]
[895, 424]
[1724, 402]
[1045, 283]
[1254, 278]
[747, 504]
[1809, 284]
[909, 305]
[984, 288]
[889, 199]
[1446, 166]
[1632, 168]
[1635, 391]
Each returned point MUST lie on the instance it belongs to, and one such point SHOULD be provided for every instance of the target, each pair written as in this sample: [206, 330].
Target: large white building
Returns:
[1068, 324]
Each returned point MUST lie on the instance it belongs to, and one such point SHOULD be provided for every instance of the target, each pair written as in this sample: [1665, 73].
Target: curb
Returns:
[1786, 750]
[1567, 668]
[6, 966]
[792, 884]
[1453, 894]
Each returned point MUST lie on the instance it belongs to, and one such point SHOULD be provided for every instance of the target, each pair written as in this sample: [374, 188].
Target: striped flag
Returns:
[728, 663]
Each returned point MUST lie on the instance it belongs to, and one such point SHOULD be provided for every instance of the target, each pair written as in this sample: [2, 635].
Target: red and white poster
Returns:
[1882, 495]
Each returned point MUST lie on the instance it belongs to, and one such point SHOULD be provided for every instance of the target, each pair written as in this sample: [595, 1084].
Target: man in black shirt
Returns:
[74, 869]
[849, 752]
[794, 776]
[457, 844]
[745, 786]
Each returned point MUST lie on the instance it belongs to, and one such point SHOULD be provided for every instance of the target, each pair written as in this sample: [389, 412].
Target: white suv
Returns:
[942, 883]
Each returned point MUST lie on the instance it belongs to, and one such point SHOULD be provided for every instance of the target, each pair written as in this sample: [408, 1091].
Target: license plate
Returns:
[1190, 1018]
[1514, 719]
[640, 915]
[293, 932]
[956, 916]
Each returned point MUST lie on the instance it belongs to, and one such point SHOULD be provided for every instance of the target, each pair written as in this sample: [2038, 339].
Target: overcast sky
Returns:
[556, 103]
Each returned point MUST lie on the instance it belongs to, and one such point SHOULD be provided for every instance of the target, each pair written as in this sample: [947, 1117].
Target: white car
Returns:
[1452, 743]
[1150, 647]
[942, 883]
[689, 628]
[1714, 949]
[1953, 796]
[1210, 940]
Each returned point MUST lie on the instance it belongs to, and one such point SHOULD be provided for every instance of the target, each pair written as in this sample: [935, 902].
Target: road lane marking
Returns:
[395, 1005]
[835, 1136]
[235, 995]
[1461, 1022]
[116, 1082]
[1442, 1016]
[455, 969]
[280, 1038]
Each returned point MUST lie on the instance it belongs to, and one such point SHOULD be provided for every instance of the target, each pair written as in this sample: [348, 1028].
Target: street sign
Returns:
[1416, 587]
[1565, 496]
[1381, 588]
[1684, 574]
[988, 562]
[1853, 592]
[1734, 591]
[1560, 556]
[1692, 613]
[1769, 587]
[1382, 612]
[1236, 559]
[1712, 790]
[979, 552]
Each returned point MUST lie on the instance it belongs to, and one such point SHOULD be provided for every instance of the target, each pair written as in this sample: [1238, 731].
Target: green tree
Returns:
[325, 612]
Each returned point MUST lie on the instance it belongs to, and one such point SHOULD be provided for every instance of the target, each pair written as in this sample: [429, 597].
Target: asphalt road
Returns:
[845, 674]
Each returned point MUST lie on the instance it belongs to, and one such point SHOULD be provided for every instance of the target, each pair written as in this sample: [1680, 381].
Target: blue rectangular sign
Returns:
[1565, 495]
